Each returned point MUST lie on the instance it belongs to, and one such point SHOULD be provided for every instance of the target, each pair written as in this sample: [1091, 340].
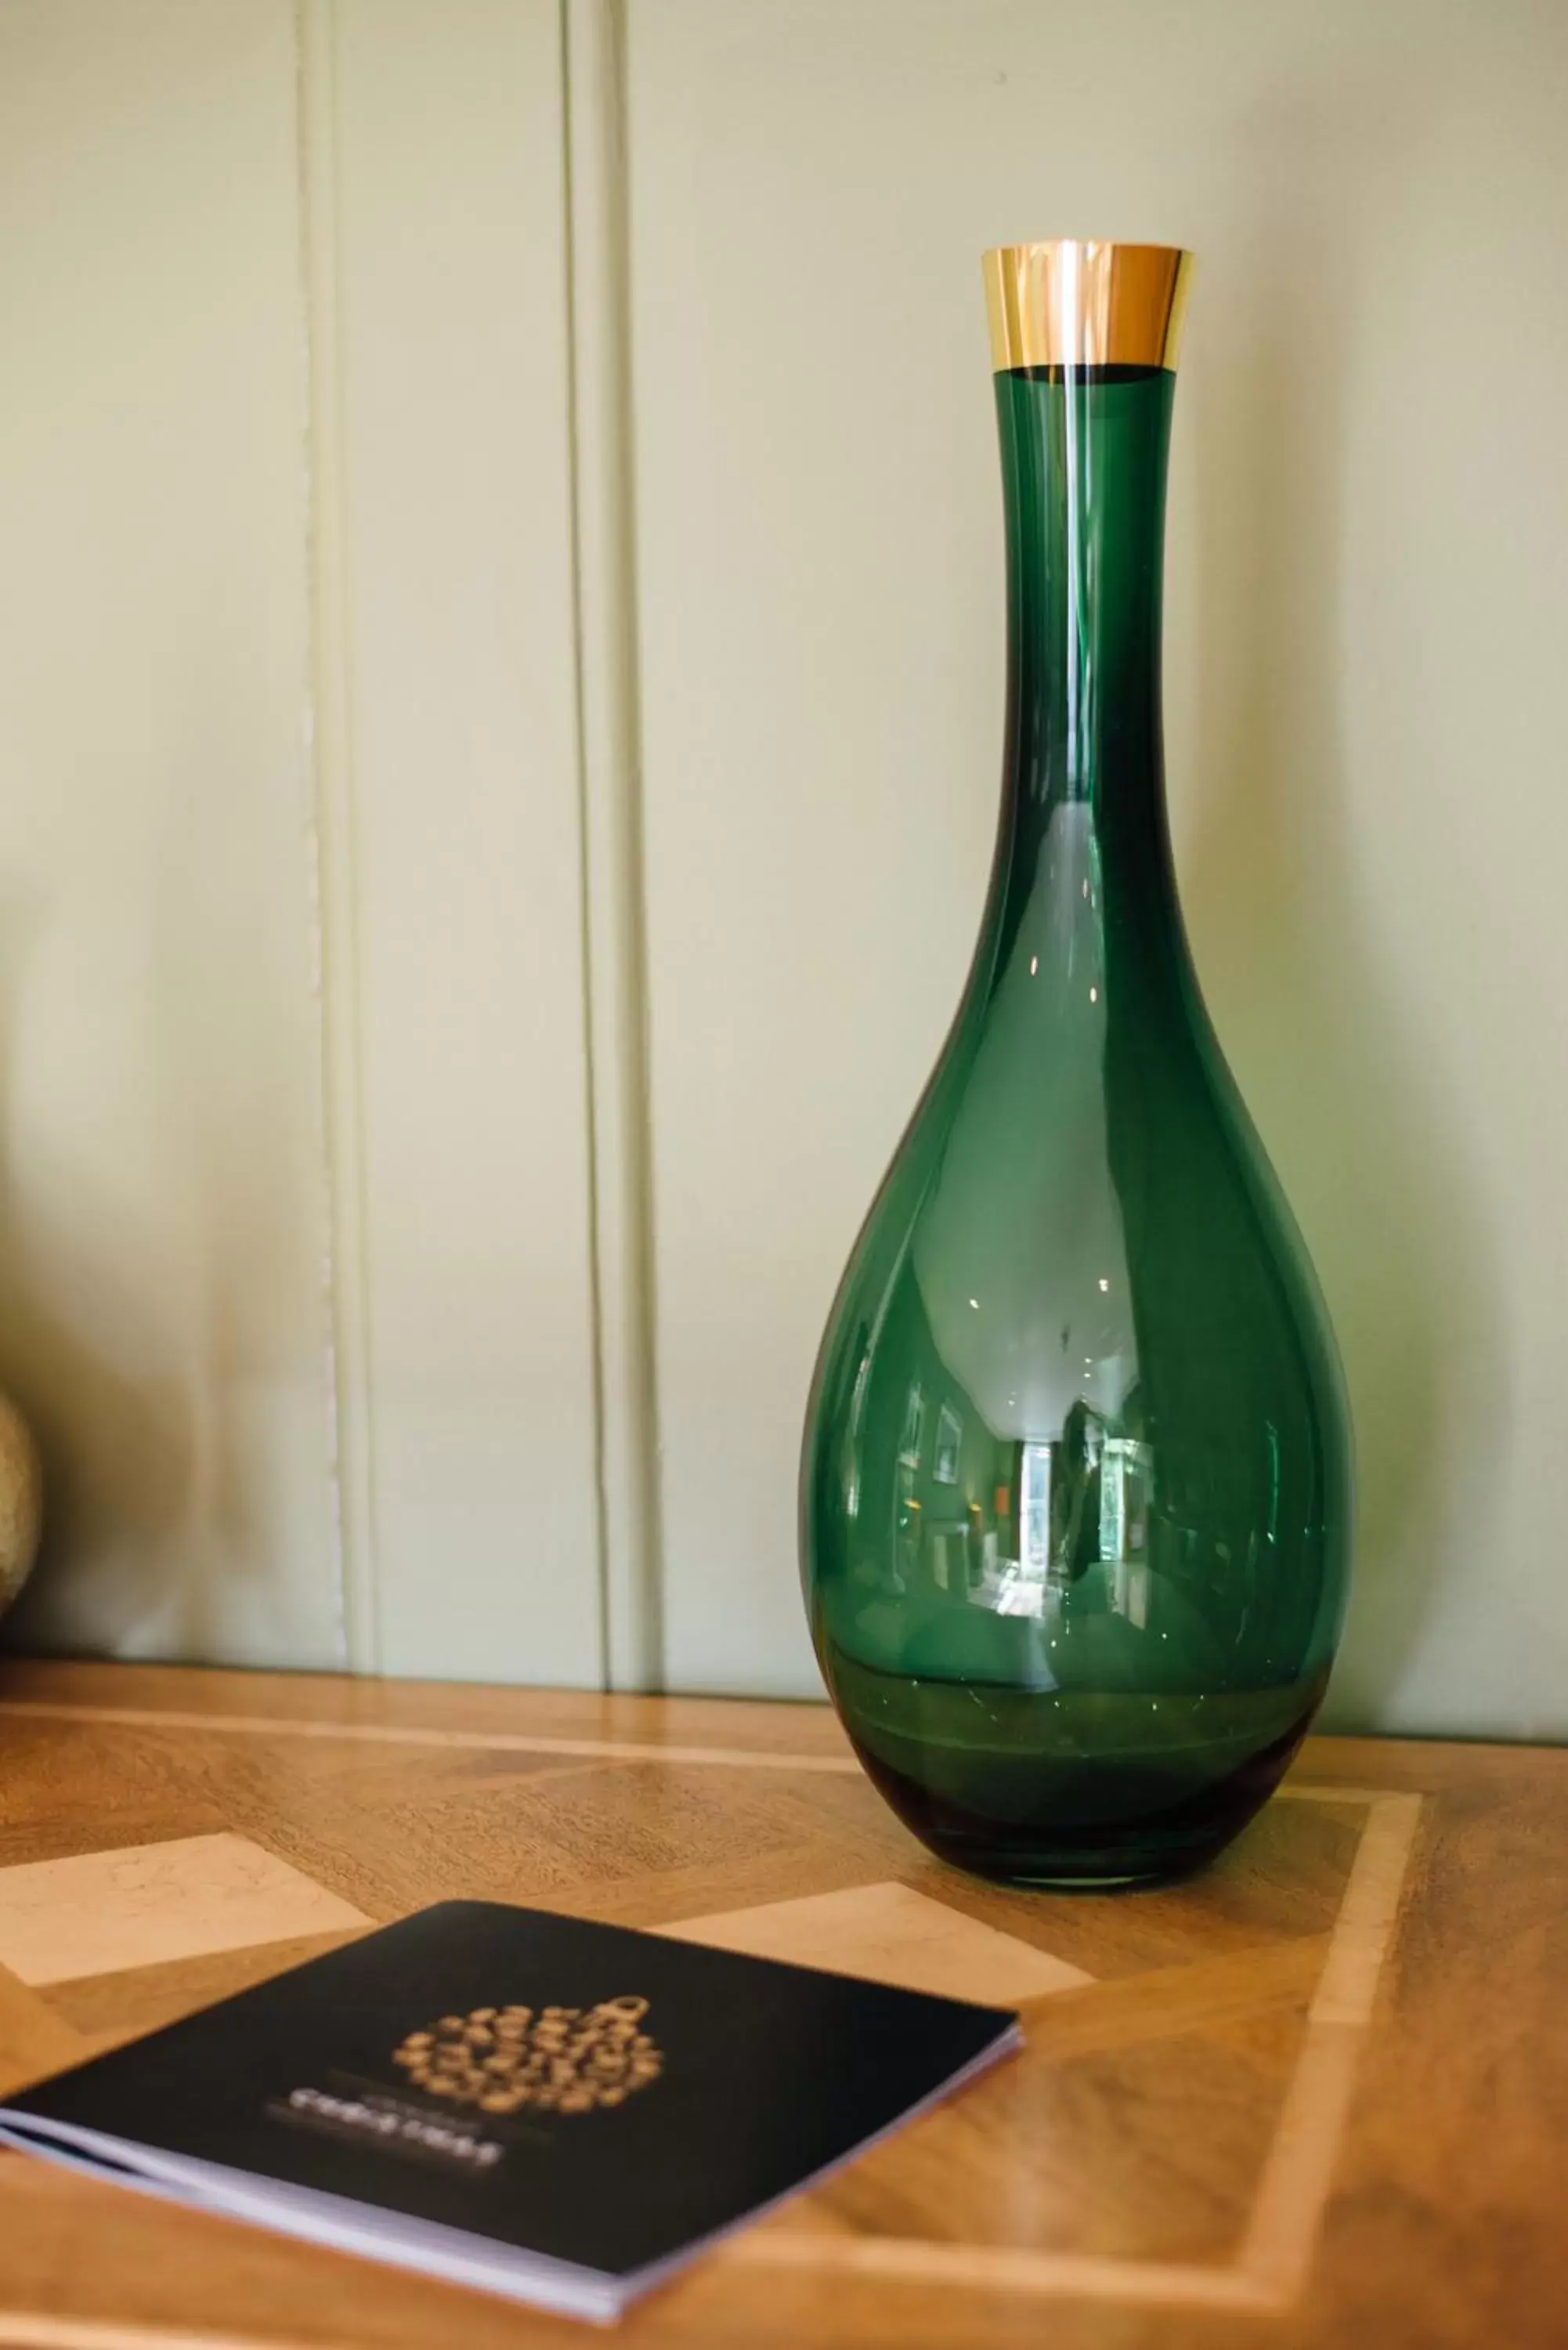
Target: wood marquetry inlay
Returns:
[1304, 2097]
[102, 1912]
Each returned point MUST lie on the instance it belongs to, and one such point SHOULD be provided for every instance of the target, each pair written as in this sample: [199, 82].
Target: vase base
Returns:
[1054, 1875]
[1089, 1792]
[1123, 1868]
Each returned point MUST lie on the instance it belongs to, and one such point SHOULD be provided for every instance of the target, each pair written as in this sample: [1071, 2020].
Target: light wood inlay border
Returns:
[1277, 2246]
[1288, 2209]
[1001, 2268]
[507, 1742]
[479, 1742]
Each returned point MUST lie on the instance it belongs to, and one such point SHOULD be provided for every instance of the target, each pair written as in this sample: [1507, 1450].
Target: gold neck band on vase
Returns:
[1072, 302]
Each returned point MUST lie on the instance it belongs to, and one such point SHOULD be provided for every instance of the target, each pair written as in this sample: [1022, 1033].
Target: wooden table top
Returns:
[1315, 2096]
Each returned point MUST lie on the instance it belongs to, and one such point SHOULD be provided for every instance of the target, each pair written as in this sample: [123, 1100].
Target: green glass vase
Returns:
[1075, 1488]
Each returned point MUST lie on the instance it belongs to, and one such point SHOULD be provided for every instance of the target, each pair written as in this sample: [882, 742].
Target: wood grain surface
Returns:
[1317, 2096]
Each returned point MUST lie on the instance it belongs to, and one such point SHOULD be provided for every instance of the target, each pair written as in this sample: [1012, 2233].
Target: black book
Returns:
[546, 2108]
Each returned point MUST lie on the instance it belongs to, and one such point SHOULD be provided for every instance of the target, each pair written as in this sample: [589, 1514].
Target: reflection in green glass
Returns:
[1075, 1485]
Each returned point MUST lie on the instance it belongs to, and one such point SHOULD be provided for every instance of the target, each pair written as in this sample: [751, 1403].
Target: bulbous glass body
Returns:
[1076, 1487]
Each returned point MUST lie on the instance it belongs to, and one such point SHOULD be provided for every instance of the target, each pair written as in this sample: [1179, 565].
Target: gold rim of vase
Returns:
[1082, 302]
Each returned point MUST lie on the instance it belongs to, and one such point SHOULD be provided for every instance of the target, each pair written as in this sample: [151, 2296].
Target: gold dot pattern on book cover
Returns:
[566, 2060]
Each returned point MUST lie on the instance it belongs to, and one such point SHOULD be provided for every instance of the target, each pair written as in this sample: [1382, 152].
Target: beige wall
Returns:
[495, 815]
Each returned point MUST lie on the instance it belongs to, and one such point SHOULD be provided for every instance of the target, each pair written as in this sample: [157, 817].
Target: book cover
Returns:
[547, 2107]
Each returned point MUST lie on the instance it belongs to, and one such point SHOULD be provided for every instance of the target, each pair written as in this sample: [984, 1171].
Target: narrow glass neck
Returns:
[1084, 453]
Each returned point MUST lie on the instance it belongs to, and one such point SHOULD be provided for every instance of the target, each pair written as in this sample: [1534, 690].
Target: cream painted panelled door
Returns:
[293, 1185]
